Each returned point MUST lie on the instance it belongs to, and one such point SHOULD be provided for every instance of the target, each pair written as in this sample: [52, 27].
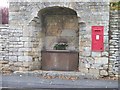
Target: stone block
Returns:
[23, 69]
[96, 54]
[1, 58]
[11, 63]
[16, 34]
[4, 62]
[103, 73]
[87, 65]
[106, 31]
[95, 66]
[5, 68]
[18, 64]
[1, 65]
[83, 70]
[68, 33]
[24, 38]
[24, 49]
[20, 43]
[26, 64]
[93, 71]
[36, 65]
[105, 67]
[106, 39]
[13, 68]
[16, 46]
[26, 31]
[17, 53]
[105, 54]
[12, 49]
[13, 58]
[28, 44]
[86, 51]
[101, 60]
[24, 58]
[14, 38]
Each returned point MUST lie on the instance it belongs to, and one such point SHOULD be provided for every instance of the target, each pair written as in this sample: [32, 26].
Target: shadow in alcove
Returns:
[60, 30]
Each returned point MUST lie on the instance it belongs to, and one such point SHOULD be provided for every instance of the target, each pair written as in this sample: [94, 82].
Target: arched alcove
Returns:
[59, 26]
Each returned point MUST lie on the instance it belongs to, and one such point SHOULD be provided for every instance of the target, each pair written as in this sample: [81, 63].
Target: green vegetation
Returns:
[60, 46]
[115, 5]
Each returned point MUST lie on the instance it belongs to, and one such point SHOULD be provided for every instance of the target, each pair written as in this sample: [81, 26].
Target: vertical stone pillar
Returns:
[114, 39]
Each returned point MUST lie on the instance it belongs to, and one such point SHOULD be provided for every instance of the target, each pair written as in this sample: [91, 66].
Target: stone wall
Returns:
[4, 49]
[90, 61]
[114, 42]
[26, 36]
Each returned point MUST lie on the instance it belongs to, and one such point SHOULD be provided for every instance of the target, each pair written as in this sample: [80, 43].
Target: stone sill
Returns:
[4, 26]
[59, 51]
[59, 74]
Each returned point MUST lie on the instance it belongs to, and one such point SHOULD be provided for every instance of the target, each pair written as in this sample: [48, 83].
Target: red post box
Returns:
[97, 38]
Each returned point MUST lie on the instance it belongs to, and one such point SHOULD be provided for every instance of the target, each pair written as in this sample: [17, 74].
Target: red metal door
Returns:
[97, 38]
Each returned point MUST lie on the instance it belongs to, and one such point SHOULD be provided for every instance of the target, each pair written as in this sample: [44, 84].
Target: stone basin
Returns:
[60, 60]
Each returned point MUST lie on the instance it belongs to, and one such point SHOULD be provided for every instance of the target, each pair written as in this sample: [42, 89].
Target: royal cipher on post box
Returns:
[97, 38]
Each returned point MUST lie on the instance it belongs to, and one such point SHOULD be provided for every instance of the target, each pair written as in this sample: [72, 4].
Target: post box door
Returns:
[97, 38]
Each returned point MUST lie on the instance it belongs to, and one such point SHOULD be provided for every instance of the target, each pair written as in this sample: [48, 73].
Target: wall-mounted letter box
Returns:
[97, 38]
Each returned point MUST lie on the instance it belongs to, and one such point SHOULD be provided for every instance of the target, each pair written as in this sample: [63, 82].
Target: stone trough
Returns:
[60, 60]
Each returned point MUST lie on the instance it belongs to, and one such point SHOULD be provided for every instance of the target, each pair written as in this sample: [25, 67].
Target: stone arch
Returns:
[59, 25]
[40, 31]
[38, 9]
[65, 21]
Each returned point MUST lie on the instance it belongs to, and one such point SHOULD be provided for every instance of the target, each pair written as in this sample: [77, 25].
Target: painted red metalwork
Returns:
[97, 38]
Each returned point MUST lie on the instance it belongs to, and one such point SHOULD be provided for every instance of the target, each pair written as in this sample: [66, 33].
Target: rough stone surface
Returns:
[114, 42]
[26, 36]
[103, 73]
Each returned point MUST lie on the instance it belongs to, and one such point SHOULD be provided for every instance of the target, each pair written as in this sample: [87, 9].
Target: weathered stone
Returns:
[7, 72]
[24, 40]
[24, 58]
[105, 54]
[14, 68]
[84, 70]
[14, 39]
[18, 64]
[4, 62]
[23, 69]
[103, 73]
[101, 60]
[13, 58]
[87, 51]
[5, 68]
[96, 54]
[1, 65]
[71, 33]
[28, 44]
[105, 67]
[93, 71]
[106, 39]
[26, 64]
[24, 49]
[36, 65]
[114, 41]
